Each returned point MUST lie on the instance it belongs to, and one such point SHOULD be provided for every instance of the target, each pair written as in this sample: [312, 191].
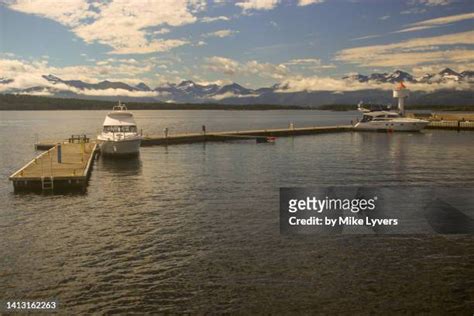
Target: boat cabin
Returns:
[119, 121]
[379, 116]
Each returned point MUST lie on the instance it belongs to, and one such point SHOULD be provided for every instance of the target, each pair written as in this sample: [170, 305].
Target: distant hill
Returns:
[28, 102]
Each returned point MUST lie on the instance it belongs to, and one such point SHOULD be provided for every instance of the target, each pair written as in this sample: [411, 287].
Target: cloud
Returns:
[365, 37]
[221, 33]
[248, 5]
[385, 17]
[414, 11]
[115, 92]
[232, 67]
[120, 24]
[162, 31]
[231, 94]
[414, 28]
[70, 13]
[303, 3]
[304, 61]
[412, 52]
[223, 65]
[314, 64]
[316, 83]
[431, 23]
[209, 19]
[433, 3]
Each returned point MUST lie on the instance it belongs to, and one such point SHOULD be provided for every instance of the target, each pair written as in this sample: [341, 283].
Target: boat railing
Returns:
[119, 108]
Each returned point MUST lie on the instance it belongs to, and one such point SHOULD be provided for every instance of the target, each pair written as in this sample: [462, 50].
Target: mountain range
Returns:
[190, 92]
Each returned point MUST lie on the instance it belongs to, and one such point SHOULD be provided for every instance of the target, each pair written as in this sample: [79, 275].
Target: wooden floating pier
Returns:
[452, 125]
[52, 171]
[239, 135]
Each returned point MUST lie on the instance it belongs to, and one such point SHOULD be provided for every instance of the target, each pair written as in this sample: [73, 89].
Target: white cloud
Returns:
[162, 31]
[315, 83]
[302, 3]
[232, 67]
[115, 92]
[223, 65]
[412, 52]
[221, 33]
[313, 64]
[385, 17]
[431, 23]
[70, 13]
[209, 19]
[433, 3]
[414, 11]
[231, 94]
[120, 24]
[365, 37]
[248, 5]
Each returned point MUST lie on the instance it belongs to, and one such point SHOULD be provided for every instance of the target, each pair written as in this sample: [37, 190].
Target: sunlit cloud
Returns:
[249, 5]
[221, 33]
[411, 52]
[209, 19]
[232, 67]
[431, 23]
[129, 20]
[303, 3]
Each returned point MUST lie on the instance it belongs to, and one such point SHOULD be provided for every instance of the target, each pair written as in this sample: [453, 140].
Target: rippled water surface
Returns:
[194, 228]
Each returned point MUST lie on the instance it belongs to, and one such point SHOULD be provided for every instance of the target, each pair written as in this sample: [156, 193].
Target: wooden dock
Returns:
[452, 125]
[239, 135]
[47, 173]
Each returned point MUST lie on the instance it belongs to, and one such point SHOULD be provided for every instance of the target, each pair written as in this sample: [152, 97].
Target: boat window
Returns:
[366, 118]
[120, 129]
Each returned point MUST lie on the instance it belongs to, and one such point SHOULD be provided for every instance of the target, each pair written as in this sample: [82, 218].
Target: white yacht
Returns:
[390, 121]
[119, 135]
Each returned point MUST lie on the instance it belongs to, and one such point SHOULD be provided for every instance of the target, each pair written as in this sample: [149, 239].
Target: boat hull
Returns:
[391, 126]
[120, 147]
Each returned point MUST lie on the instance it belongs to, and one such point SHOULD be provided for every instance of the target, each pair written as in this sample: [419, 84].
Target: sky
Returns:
[252, 42]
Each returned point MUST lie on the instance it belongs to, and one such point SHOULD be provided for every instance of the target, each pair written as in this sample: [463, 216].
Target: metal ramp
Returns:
[47, 183]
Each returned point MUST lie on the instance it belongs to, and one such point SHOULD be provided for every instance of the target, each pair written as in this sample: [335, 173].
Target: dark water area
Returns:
[195, 228]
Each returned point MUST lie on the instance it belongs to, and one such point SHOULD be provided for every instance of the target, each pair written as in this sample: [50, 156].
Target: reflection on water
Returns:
[194, 228]
[120, 166]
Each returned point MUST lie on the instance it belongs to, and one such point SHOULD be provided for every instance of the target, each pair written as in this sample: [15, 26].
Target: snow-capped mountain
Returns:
[446, 75]
[356, 77]
[142, 87]
[4, 80]
[191, 92]
[102, 85]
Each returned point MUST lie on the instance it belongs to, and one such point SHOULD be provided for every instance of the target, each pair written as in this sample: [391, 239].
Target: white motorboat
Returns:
[390, 121]
[119, 136]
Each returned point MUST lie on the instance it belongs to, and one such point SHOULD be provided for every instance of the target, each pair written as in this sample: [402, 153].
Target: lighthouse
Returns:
[401, 93]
